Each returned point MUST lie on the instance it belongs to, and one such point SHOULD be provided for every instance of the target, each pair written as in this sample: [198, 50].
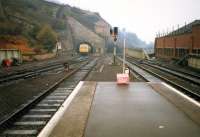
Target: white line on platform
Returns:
[20, 132]
[55, 119]
[183, 95]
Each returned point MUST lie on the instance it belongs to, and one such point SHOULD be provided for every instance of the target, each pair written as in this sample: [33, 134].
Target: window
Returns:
[181, 52]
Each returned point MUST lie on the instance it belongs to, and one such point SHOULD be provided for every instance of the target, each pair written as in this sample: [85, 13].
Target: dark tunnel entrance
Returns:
[85, 48]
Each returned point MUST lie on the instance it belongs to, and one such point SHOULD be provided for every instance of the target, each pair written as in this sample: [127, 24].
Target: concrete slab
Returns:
[188, 105]
[136, 110]
[105, 71]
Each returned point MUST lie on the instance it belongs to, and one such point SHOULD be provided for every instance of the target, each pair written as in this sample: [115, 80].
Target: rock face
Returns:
[102, 28]
[83, 34]
[67, 39]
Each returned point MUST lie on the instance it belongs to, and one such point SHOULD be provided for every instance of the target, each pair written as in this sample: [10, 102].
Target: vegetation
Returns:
[26, 18]
[48, 37]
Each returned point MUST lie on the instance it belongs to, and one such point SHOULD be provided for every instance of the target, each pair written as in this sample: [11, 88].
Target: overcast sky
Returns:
[143, 17]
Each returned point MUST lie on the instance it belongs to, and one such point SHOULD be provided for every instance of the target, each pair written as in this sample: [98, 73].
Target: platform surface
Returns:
[136, 110]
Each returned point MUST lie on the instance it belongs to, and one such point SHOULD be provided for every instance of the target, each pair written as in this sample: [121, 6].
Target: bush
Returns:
[47, 36]
[59, 24]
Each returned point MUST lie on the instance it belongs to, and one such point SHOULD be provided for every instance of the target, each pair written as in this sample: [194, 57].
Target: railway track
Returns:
[186, 76]
[194, 78]
[194, 75]
[35, 71]
[187, 84]
[29, 121]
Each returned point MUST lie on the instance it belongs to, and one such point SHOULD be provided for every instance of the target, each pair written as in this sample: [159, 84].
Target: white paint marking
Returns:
[101, 69]
[55, 119]
[20, 132]
[161, 126]
[183, 95]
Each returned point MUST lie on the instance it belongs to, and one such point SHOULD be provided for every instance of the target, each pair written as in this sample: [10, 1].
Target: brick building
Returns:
[179, 43]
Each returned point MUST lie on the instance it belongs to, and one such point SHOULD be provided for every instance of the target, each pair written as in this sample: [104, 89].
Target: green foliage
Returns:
[34, 31]
[59, 25]
[47, 36]
[10, 28]
[26, 18]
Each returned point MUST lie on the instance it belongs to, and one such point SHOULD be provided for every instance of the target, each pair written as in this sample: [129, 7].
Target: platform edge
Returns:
[186, 104]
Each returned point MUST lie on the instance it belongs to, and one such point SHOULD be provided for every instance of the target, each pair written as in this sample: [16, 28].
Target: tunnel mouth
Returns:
[84, 48]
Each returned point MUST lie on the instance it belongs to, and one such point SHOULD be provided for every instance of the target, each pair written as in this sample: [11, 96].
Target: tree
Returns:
[47, 36]
[59, 24]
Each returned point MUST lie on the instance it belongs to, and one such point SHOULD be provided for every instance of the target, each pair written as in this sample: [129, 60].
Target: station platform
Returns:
[105, 109]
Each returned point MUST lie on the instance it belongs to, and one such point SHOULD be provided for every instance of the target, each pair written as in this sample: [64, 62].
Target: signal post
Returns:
[114, 34]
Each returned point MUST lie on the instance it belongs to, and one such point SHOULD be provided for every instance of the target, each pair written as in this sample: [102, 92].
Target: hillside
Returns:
[44, 23]
[40, 24]
[33, 20]
[82, 33]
